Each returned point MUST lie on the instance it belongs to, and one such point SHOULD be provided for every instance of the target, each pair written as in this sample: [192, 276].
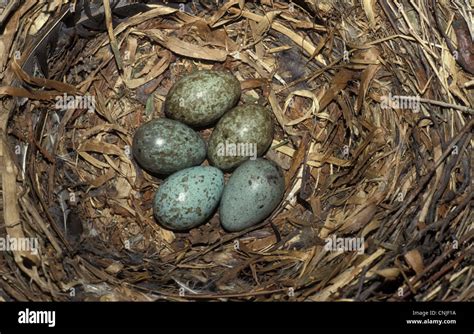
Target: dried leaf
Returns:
[415, 260]
[184, 48]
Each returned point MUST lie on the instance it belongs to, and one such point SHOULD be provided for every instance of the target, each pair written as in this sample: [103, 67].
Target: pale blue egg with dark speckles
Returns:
[253, 191]
[188, 198]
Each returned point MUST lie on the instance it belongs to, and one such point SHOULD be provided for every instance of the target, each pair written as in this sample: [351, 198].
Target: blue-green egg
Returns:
[202, 97]
[188, 198]
[164, 146]
[253, 191]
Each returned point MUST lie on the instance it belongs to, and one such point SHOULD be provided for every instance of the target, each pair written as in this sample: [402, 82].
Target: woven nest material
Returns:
[373, 113]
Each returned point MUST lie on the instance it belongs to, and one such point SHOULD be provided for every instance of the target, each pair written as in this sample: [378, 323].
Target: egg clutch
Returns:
[170, 147]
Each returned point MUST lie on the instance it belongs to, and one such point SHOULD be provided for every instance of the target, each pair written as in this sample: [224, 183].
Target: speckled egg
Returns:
[245, 131]
[164, 146]
[202, 97]
[253, 191]
[188, 198]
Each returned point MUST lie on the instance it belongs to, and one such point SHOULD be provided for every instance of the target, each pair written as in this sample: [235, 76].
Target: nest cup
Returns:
[377, 171]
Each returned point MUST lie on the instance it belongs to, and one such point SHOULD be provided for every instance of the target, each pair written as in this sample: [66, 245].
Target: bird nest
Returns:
[372, 103]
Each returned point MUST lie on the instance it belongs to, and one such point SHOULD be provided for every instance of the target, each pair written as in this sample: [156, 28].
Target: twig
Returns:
[110, 30]
[448, 105]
